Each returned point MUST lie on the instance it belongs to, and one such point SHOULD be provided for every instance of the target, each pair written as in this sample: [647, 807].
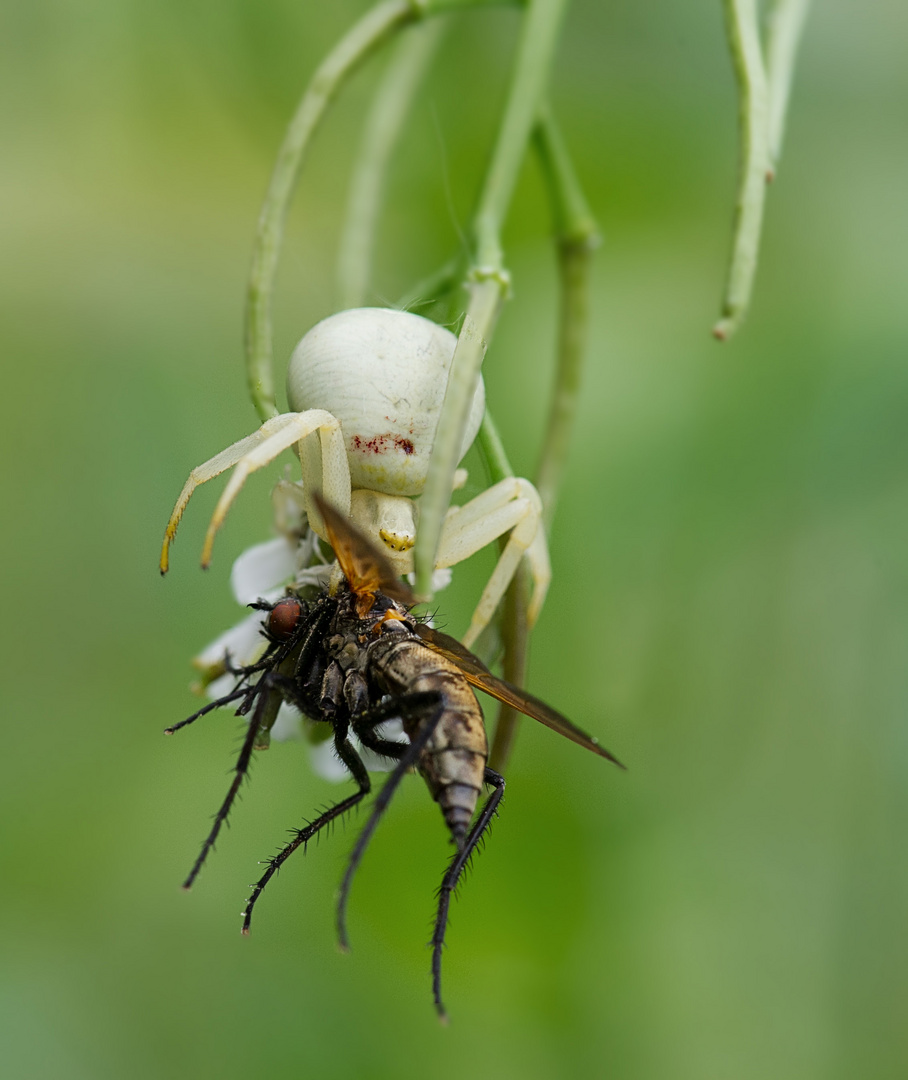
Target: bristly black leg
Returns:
[360, 774]
[428, 703]
[383, 747]
[238, 691]
[277, 652]
[452, 876]
[312, 634]
[241, 769]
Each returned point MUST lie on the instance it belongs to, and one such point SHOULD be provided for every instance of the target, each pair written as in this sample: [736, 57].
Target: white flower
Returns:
[441, 578]
[291, 724]
[260, 573]
[261, 569]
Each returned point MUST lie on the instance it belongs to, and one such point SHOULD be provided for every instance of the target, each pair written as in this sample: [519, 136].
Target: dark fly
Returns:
[354, 658]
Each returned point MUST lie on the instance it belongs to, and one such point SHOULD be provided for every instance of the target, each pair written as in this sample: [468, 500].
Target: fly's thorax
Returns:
[351, 636]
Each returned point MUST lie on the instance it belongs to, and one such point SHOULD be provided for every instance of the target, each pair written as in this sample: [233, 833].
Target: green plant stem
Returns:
[406, 70]
[513, 621]
[488, 279]
[486, 299]
[362, 40]
[744, 41]
[576, 238]
[492, 449]
[434, 287]
[784, 25]
[515, 636]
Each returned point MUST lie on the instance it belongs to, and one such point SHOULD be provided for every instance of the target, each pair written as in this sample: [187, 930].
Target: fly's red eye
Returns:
[284, 618]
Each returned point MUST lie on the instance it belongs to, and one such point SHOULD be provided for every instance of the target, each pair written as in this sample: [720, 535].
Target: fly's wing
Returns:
[366, 569]
[475, 672]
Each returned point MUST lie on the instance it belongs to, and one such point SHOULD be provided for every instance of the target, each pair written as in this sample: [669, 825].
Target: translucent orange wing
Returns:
[366, 569]
[475, 672]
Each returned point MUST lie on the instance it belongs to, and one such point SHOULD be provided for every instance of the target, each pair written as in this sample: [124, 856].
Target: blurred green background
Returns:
[729, 610]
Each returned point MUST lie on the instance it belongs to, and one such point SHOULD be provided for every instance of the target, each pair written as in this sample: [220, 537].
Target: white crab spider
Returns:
[366, 387]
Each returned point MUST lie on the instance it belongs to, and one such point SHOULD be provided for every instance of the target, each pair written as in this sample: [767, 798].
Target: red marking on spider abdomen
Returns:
[382, 444]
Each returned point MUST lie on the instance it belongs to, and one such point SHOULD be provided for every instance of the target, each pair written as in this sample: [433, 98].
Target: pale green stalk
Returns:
[576, 238]
[492, 449]
[406, 70]
[488, 281]
[362, 40]
[784, 25]
[437, 285]
[744, 41]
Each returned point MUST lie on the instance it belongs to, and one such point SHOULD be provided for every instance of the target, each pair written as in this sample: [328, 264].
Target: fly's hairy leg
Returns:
[384, 747]
[451, 878]
[428, 704]
[354, 763]
[241, 770]
[263, 693]
[210, 707]
[269, 660]
[276, 653]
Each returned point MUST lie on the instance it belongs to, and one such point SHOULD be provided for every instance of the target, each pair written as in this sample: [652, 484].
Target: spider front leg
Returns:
[260, 449]
[513, 504]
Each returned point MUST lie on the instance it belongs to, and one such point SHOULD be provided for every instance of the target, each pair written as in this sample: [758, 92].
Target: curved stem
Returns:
[576, 238]
[406, 70]
[784, 25]
[488, 277]
[747, 54]
[486, 299]
[515, 636]
[493, 452]
[363, 39]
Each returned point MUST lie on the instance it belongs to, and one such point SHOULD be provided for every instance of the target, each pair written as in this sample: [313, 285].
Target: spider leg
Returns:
[225, 700]
[302, 836]
[452, 876]
[241, 770]
[429, 704]
[214, 467]
[294, 430]
[511, 506]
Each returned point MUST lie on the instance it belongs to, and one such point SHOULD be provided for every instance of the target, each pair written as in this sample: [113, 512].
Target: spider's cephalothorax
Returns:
[353, 659]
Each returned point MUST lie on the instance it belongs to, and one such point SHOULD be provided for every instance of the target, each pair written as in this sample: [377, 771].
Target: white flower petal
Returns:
[243, 643]
[220, 687]
[261, 569]
[288, 725]
[441, 578]
[328, 765]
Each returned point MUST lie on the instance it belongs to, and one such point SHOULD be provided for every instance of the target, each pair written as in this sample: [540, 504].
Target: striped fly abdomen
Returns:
[453, 762]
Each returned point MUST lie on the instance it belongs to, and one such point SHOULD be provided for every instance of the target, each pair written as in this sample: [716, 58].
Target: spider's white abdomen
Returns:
[382, 374]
